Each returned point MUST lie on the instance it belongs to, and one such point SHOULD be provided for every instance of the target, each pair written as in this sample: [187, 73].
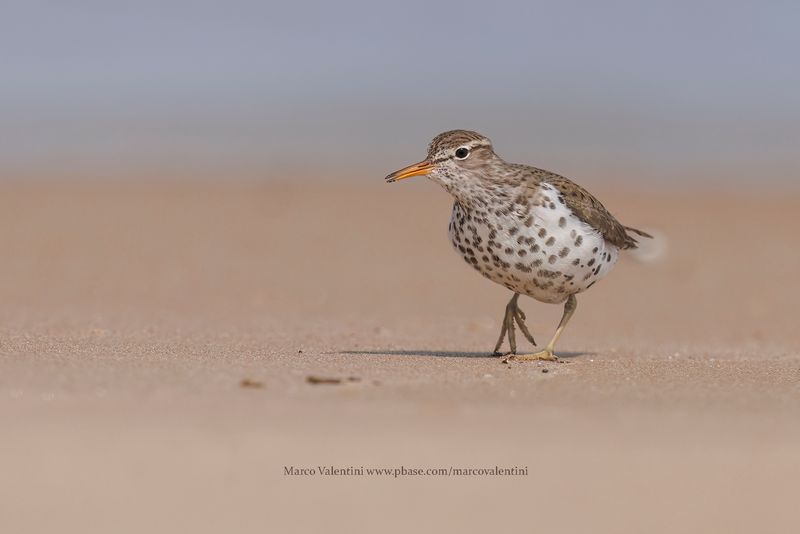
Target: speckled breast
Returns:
[533, 245]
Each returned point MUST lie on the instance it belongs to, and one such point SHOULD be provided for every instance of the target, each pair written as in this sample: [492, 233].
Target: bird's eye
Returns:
[462, 153]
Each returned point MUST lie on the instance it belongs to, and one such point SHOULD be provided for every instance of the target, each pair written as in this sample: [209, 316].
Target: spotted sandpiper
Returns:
[535, 232]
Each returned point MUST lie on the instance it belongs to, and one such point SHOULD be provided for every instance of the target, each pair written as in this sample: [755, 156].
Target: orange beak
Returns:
[418, 169]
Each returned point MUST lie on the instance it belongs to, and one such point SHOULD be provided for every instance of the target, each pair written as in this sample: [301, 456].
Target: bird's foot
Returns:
[543, 355]
[513, 315]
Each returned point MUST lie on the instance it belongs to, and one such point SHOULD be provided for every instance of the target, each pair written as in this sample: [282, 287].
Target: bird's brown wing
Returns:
[592, 212]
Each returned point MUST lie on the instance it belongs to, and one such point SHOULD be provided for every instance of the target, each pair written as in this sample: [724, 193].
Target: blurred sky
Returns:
[643, 90]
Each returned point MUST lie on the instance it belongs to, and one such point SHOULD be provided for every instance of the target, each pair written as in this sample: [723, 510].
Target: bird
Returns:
[530, 230]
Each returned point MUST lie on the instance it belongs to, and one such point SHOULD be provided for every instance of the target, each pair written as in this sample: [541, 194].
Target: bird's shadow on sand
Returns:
[448, 354]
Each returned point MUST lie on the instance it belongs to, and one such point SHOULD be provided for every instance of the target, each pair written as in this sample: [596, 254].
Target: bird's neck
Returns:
[480, 191]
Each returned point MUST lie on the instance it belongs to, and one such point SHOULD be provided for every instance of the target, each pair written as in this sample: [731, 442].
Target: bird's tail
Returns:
[654, 251]
[630, 241]
[638, 232]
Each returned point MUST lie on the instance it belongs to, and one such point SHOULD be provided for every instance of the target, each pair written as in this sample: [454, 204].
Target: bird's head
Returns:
[454, 159]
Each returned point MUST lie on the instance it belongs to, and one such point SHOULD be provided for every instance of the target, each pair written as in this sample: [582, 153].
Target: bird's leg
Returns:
[513, 313]
[508, 327]
[547, 353]
[503, 330]
[519, 315]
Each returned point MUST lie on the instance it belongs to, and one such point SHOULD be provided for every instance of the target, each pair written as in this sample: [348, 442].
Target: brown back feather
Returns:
[591, 211]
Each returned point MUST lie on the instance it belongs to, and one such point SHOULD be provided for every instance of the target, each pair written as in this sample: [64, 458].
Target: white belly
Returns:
[541, 250]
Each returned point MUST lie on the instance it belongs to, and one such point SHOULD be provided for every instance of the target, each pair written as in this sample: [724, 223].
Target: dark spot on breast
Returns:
[535, 248]
[522, 267]
[591, 262]
[562, 222]
[576, 261]
[536, 263]
[513, 230]
[546, 273]
[578, 241]
[552, 259]
[563, 252]
[595, 250]
[509, 250]
[529, 222]
[542, 232]
[522, 252]
[550, 241]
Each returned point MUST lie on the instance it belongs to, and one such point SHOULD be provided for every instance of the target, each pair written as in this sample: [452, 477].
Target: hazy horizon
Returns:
[661, 92]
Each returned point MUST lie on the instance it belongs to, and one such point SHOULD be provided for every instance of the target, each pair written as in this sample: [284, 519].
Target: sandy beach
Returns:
[168, 350]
